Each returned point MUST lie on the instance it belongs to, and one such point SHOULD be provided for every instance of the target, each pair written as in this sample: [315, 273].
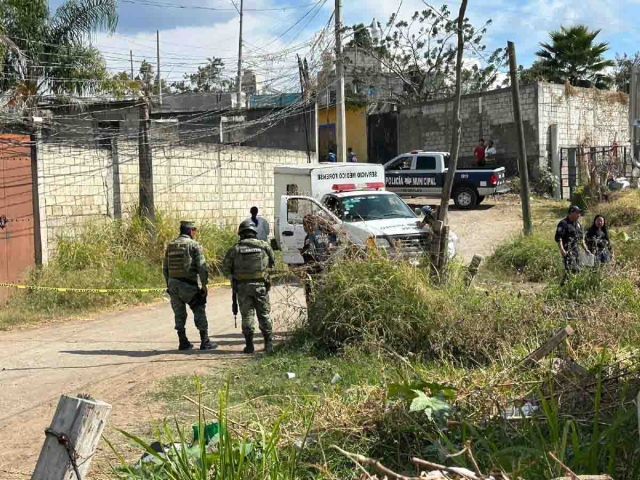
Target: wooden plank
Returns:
[550, 346]
[81, 421]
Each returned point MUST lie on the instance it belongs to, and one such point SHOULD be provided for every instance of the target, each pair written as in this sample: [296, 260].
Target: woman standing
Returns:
[598, 241]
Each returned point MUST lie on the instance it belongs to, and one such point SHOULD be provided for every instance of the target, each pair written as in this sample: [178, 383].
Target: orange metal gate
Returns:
[17, 254]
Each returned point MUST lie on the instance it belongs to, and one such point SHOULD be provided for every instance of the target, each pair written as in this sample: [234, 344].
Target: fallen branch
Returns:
[572, 475]
[362, 460]
[463, 472]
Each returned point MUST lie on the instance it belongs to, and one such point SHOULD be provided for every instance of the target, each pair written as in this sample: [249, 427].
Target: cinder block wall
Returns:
[196, 182]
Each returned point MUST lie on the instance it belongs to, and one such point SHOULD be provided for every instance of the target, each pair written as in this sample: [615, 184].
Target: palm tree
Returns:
[43, 54]
[573, 56]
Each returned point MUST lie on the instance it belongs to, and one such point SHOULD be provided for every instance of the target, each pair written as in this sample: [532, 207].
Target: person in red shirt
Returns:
[479, 153]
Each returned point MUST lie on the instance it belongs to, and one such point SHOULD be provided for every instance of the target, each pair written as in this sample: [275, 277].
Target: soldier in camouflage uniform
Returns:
[183, 264]
[247, 263]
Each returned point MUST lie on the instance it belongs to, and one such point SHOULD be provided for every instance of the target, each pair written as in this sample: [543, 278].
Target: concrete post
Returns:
[555, 160]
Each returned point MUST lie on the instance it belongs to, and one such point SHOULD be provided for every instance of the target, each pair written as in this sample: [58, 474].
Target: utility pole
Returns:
[131, 59]
[239, 78]
[522, 150]
[341, 137]
[145, 164]
[304, 96]
[158, 60]
[457, 122]
[441, 237]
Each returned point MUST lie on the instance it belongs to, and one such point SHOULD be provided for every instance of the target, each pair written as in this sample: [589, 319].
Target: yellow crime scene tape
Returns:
[97, 290]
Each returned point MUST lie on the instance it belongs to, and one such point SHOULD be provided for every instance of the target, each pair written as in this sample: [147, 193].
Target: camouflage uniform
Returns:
[183, 264]
[247, 263]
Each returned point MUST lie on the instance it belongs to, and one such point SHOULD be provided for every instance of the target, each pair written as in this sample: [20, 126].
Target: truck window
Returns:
[292, 206]
[333, 205]
[403, 163]
[374, 207]
[298, 208]
[425, 163]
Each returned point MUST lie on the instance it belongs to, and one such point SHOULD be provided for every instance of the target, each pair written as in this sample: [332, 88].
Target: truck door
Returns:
[292, 212]
[395, 173]
[425, 177]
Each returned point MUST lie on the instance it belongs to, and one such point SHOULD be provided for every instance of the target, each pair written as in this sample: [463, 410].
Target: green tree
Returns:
[47, 54]
[422, 52]
[207, 79]
[622, 71]
[574, 55]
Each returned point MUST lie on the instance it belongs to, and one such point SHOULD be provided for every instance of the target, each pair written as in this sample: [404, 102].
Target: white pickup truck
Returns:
[352, 198]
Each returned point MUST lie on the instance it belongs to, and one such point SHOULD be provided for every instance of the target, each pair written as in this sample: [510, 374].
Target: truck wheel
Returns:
[465, 198]
[480, 199]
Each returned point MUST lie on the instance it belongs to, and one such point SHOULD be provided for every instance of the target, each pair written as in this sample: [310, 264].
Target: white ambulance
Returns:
[352, 197]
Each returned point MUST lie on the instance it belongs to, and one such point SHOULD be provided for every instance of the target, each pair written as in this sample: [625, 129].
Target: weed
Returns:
[108, 254]
[536, 258]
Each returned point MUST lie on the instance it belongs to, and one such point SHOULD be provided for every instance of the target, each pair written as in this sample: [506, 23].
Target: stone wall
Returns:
[488, 115]
[198, 182]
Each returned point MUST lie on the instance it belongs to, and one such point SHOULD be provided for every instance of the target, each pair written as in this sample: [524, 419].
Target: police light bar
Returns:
[345, 187]
[376, 185]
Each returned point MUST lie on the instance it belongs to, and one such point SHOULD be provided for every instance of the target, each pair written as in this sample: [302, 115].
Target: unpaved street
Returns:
[116, 357]
[484, 228]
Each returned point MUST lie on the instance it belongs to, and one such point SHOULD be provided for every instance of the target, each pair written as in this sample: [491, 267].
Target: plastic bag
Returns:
[586, 259]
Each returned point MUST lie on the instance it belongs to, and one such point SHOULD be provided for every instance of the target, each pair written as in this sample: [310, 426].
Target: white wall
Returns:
[199, 182]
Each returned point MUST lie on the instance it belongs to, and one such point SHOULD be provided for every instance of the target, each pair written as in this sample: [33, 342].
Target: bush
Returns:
[377, 301]
[621, 209]
[535, 257]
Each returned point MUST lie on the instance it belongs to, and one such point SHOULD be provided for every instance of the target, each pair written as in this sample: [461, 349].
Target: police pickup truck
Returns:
[422, 174]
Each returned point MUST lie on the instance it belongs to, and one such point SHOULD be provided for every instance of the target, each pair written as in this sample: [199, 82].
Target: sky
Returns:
[207, 28]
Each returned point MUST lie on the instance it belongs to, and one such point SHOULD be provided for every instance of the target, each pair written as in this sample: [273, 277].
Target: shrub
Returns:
[535, 257]
[376, 300]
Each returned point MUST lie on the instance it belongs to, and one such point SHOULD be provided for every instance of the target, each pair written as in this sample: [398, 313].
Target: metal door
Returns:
[16, 210]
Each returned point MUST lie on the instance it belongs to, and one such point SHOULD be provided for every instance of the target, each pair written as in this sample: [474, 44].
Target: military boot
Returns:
[205, 343]
[248, 339]
[185, 344]
[268, 342]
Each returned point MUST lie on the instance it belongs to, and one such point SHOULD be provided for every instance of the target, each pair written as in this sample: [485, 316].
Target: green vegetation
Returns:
[107, 254]
[392, 366]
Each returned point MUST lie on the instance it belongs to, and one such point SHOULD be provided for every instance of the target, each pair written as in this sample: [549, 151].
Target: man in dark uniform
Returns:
[570, 237]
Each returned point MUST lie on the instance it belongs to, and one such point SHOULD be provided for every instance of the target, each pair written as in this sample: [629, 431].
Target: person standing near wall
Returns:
[183, 264]
[479, 153]
[261, 223]
[331, 156]
[490, 154]
[351, 156]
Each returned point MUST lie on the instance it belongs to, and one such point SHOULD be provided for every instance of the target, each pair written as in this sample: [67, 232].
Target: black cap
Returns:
[575, 208]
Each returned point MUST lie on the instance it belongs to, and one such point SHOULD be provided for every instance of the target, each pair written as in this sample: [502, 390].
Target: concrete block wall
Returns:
[196, 182]
[584, 116]
[488, 115]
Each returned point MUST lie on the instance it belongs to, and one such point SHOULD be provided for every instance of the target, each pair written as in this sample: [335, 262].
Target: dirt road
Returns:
[116, 357]
[481, 230]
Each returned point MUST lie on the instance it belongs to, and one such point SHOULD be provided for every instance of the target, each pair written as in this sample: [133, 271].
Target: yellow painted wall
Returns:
[356, 128]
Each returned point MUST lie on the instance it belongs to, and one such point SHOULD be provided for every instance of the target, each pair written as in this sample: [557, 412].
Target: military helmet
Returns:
[247, 226]
[427, 210]
[188, 224]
